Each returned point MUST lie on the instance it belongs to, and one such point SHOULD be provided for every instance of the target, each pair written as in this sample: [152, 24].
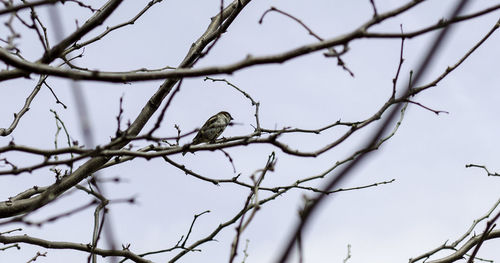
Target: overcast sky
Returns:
[434, 198]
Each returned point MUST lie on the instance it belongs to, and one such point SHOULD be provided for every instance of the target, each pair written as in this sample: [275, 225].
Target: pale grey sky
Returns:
[434, 198]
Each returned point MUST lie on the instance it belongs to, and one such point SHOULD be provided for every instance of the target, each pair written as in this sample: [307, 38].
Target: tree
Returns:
[314, 118]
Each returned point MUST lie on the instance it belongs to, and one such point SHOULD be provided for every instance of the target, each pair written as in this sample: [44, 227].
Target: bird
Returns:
[212, 128]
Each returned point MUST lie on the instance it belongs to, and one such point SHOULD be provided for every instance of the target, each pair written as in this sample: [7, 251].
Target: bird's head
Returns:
[226, 114]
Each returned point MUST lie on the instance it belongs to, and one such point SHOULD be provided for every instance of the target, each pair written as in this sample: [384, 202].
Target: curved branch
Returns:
[467, 246]
[74, 246]
[440, 24]
[183, 72]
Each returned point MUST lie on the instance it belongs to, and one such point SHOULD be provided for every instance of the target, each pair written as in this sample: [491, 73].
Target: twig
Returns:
[348, 256]
[10, 231]
[245, 251]
[192, 224]
[51, 219]
[77, 46]
[11, 9]
[427, 108]
[53, 93]
[38, 254]
[69, 245]
[162, 113]
[482, 167]
[118, 132]
[401, 59]
[375, 13]
[230, 159]
[11, 246]
[254, 103]
[332, 50]
[309, 30]
[24, 109]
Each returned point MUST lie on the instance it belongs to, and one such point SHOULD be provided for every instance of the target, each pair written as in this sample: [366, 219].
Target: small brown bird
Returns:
[212, 128]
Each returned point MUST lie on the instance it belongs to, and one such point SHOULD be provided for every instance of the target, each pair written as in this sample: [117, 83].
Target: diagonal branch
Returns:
[8, 209]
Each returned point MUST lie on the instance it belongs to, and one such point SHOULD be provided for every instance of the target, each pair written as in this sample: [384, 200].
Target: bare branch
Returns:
[292, 17]
[182, 72]
[473, 241]
[38, 254]
[437, 112]
[375, 13]
[69, 245]
[254, 103]
[484, 168]
[24, 109]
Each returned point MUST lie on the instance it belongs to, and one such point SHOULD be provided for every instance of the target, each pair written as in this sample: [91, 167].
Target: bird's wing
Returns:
[199, 136]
